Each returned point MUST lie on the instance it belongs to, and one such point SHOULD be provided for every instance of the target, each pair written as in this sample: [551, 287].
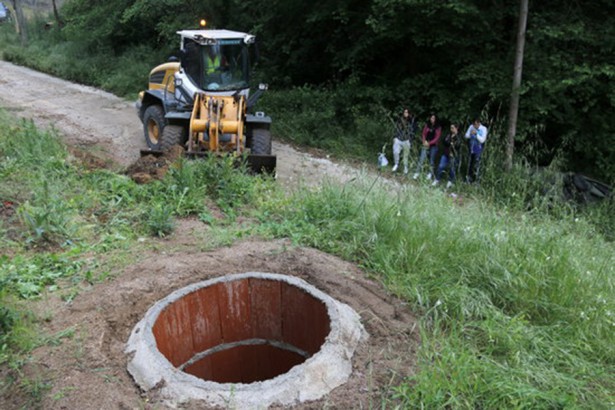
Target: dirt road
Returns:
[108, 126]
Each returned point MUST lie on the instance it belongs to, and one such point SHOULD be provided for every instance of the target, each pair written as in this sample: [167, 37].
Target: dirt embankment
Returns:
[87, 369]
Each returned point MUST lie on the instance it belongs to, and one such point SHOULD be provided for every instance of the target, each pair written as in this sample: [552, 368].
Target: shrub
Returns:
[160, 220]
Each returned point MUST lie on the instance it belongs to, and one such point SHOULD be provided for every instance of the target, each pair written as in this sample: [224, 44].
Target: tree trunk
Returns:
[20, 22]
[514, 97]
[56, 14]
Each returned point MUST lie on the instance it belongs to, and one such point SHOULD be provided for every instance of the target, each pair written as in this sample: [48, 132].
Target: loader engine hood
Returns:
[216, 60]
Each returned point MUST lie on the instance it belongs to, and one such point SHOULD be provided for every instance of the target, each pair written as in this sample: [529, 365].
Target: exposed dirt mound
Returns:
[88, 370]
[154, 167]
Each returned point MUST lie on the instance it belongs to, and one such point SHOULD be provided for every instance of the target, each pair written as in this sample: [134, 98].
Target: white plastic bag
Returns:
[382, 160]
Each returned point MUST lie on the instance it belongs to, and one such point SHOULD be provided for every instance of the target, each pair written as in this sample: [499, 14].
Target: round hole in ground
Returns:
[247, 340]
[241, 331]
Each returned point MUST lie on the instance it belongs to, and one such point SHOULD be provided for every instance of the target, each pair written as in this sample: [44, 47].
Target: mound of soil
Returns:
[88, 370]
[154, 167]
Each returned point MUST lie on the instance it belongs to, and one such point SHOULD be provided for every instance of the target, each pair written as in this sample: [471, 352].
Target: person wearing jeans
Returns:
[404, 132]
[477, 135]
[450, 156]
[430, 137]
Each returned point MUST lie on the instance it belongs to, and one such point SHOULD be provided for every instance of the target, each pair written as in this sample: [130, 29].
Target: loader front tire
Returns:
[153, 126]
[261, 142]
[173, 135]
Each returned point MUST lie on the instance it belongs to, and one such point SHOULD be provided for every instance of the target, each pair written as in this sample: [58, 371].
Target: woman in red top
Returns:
[430, 137]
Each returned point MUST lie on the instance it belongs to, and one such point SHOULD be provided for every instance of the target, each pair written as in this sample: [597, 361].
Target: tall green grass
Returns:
[63, 217]
[516, 309]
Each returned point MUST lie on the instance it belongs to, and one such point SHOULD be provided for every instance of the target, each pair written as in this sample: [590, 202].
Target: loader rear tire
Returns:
[153, 126]
[261, 142]
[173, 135]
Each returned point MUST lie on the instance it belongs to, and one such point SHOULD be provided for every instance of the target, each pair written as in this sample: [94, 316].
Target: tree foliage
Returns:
[454, 57]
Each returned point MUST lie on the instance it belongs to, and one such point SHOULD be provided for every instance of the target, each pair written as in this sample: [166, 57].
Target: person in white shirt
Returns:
[477, 135]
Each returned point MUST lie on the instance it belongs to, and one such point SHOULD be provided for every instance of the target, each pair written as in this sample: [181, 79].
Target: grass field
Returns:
[517, 309]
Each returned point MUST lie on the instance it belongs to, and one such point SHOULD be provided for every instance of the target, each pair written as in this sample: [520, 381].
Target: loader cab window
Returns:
[225, 65]
[190, 61]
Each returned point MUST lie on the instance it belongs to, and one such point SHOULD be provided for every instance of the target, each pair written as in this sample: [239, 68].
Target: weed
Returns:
[160, 220]
[28, 277]
[56, 339]
[35, 389]
[206, 218]
[60, 394]
[47, 219]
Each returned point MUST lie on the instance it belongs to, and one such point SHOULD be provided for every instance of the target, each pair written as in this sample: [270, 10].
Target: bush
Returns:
[345, 120]
[160, 220]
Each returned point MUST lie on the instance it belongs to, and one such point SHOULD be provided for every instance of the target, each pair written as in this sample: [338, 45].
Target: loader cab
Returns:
[216, 60]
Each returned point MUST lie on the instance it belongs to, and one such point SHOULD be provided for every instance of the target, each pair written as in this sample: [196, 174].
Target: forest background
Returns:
[339, 70]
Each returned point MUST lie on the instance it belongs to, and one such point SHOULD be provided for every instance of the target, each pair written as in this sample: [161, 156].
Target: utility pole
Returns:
[516, 88]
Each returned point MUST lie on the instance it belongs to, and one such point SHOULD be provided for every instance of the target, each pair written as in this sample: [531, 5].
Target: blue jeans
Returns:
[473, 167]
[433, 151]
[445, 160]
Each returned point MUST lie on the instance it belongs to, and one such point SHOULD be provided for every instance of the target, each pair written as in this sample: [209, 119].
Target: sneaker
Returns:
[429, 176]
[435, 182]
[405, 170]
[449, 184]
[395, 168]
[415, 176]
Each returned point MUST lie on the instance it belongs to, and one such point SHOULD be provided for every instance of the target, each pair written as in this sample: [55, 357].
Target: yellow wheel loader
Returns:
[203, 101]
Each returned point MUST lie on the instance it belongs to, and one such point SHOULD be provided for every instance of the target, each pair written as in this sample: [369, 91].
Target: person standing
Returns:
[430, 137]
[477, 135]
[450, 156]
[404, 132]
